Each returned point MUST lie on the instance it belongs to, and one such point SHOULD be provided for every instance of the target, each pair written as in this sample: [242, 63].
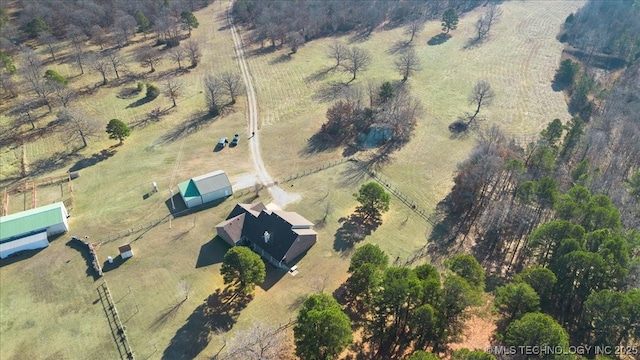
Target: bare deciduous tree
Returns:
[407, 63]
[295, 40]
[213, 92]
[177, 54]
[63, 93]
[185, 289]
[32, 72]
[9, 85]
[100, 64]
[77, 40]
[125, 26]
[338, 51]
[414, 27]
[99, 36]
[50, 41]
[193, 51]
[78, 125]
[149, 58]
[259, 342]
[25, 109]
[484, 24]
[172, 89]
[357, 60]
[116, 61]
[233, 85]
[482, 95]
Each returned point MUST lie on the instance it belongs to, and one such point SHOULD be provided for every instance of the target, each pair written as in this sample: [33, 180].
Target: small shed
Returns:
[125, 251]
[205, 188]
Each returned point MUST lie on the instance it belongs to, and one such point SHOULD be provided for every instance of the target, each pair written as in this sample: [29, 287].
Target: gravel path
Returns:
[280, 196]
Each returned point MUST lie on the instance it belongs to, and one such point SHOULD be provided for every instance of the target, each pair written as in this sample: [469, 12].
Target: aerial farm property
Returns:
[242, 179]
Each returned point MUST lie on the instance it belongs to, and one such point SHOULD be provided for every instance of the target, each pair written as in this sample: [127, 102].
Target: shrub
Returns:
[141, 86]
[171, 43]
[152, 91]
[569, 19]
[567, 72]
[52, 75]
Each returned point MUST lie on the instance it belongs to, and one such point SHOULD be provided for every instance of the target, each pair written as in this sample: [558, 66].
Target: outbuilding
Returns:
[30, 229]
[205, 188]
[125, 251]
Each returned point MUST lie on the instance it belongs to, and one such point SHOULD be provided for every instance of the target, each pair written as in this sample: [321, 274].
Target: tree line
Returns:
[399, 310]
[277, 22]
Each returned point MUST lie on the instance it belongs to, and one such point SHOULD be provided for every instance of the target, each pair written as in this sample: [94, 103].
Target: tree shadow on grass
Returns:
[212, 252]
[283, 58]
[354, 229]
[439, 39]
[330, 92]
[139, 102]
[399, 46]
[473, 43]
[194, 123]
[94, 159]
[219, 312]
[320, 142]
[55, 161]
[319, 75]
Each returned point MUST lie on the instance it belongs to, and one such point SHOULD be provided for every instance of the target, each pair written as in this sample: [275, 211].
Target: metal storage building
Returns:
[30, 229]
[205, 188]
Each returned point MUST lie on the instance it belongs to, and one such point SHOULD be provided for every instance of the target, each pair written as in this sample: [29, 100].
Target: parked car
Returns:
[235, 140]
[222, 143]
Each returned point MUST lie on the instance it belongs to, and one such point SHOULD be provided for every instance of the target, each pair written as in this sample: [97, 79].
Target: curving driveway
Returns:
[280, 196]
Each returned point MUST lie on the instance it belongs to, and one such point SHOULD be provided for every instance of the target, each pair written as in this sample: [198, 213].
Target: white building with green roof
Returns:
[30, 229]
[205, 188]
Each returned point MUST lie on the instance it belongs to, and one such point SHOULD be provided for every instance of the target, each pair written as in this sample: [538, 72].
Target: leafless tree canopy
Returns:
[117, 62]
[100, 64]
[172, 89]
[233, 84]
[178, 55]
[99, 36]
[414, 27]
[407, 63]
[214, 93]
[338, 51]
[357, 59]
[482, 95]
[149, 58]
[259, 342]
[490, 17]
[78, 125]
[193, 51]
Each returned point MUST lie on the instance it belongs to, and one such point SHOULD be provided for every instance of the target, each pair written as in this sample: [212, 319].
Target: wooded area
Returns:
[561, 213]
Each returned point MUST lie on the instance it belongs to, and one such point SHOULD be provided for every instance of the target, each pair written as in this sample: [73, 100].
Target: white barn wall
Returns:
[33, 242]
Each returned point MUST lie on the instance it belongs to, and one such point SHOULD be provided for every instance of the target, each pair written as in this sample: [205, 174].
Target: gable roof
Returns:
[32, 220]
[233, 228]
[188, 189]
[293, 218]
[124, 248]
[211, 182]
[252, 220]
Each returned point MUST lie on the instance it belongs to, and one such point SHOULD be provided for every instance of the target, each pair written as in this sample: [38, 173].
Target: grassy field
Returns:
[57, 296]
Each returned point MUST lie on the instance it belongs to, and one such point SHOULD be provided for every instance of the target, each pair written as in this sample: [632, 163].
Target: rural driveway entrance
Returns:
[280, 196]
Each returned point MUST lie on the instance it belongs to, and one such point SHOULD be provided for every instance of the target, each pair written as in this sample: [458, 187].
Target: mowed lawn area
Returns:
[519, 60]
[58, 301]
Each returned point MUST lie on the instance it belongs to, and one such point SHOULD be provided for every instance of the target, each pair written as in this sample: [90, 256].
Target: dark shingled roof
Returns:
[253, 220]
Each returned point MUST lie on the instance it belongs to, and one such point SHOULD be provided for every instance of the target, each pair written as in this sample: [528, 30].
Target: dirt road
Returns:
[280, 196]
